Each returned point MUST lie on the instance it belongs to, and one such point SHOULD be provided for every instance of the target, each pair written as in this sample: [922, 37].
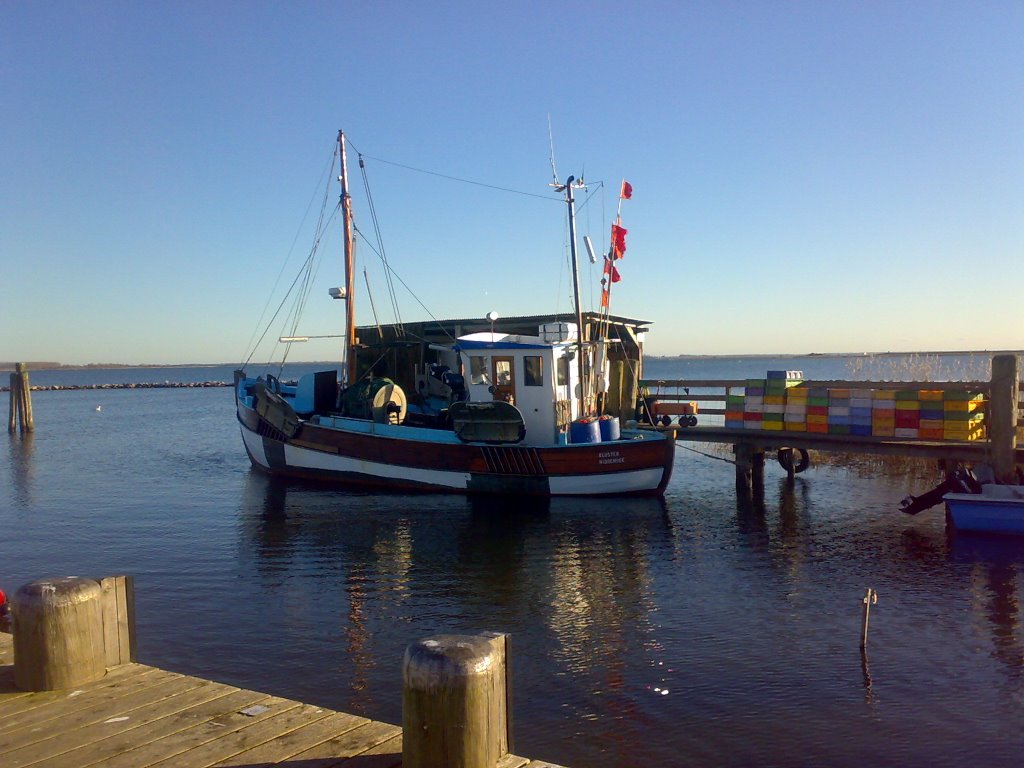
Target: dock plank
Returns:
[27, 746]
[246, 738]
[14, 701]
[192, 708]
[190, 732]
[354, 743]
[84, 701]
[301, 739]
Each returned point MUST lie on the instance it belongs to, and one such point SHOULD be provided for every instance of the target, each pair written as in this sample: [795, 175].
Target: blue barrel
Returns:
[585, 430]
[609, 428]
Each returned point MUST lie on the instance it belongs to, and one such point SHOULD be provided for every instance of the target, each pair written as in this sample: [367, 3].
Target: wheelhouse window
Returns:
[479, 369]
[563, 371]
[533, 371]
[503, 372]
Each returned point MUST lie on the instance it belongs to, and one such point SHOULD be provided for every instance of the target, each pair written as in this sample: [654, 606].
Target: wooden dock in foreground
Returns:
[138, 716]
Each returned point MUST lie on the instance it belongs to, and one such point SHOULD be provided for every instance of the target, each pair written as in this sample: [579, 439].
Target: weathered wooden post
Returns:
[69, 630]
[744, 466]
[58, 634]
[21, 400]
[1002, 416]
[12, 421]
[28, 423]
[456, 710]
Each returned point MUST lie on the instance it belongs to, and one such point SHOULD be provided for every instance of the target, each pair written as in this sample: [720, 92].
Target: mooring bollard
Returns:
[870, 598]
[455, 702]
[58, 634]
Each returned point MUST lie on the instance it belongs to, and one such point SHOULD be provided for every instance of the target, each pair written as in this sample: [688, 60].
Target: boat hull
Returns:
[977, 513]
[377, 457]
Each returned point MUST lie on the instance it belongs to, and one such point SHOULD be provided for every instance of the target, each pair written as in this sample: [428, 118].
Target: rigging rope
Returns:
[380, 242]
[456, 178]
[328, 173]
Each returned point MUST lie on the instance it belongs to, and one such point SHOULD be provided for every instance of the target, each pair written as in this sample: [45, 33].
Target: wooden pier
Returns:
[134, 715]
[1003, 448]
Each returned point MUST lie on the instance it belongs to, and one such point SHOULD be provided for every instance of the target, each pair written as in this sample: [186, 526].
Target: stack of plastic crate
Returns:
[860, 412]
[839, 411]
[908, 413]
[775, 385]
[753, 403]
[963, 415]
[817, 410]
[883, 413]
[796, 408]
[734, 410]
[932, 424]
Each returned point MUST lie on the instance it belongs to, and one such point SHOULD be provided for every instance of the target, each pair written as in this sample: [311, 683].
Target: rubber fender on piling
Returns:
[786, 456]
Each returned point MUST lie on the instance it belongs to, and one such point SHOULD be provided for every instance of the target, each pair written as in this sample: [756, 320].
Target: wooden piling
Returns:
[28, 423]
[20, 411]
[58, 634]
[744, 453]
[455, 702]
[12, 421]
[1002, 416]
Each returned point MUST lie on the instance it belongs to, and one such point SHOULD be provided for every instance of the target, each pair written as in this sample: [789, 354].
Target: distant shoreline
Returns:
[53, 366]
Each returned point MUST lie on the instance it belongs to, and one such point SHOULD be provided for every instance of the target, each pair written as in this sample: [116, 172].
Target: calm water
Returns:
[691, 631]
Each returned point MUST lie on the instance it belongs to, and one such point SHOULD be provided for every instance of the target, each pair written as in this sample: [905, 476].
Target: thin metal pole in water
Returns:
[870, 598]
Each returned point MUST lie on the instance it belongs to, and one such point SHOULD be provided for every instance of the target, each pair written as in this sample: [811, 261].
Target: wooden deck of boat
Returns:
[139, 716]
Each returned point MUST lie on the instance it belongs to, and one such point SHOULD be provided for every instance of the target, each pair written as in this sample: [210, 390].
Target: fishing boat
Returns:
[995, 509]
[535, 405]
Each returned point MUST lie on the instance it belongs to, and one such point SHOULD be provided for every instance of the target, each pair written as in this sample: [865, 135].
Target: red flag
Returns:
[619, 240]
[609, 269]
[627, 190]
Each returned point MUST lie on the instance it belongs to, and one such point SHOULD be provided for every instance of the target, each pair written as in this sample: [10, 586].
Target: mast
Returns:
[350, 268]
[571, 203]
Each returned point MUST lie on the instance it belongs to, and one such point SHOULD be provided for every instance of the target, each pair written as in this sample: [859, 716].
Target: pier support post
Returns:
[455, 702]
[58, 634]
[21, 401]
[749, 469]
[744, 466]
[1002, 416]
[12, 421]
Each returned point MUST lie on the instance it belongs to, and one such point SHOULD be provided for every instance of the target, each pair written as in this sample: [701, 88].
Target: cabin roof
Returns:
[502, 323]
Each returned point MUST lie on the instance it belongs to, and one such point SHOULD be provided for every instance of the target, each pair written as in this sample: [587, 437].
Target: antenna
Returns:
[551, 144]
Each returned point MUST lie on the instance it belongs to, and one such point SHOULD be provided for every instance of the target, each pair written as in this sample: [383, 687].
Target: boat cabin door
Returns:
[503, 376]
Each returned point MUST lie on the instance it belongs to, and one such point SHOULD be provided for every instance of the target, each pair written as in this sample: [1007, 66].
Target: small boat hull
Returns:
[360, 454]
[998, 509]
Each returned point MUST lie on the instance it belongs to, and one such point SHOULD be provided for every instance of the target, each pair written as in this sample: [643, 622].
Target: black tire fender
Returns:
[785, 457]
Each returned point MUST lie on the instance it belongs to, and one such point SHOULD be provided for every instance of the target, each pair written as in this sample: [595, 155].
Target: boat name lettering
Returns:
[610, 457]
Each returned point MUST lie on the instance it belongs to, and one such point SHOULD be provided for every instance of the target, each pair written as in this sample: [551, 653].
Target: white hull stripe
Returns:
[568, 485]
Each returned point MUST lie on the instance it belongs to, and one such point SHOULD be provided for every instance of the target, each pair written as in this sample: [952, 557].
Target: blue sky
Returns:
[808, 177]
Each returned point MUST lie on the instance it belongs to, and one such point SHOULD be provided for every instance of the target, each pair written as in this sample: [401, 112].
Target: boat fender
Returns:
[785, 458]
[3, 603]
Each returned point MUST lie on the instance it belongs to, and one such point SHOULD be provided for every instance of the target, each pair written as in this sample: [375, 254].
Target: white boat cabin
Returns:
[536, 374]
